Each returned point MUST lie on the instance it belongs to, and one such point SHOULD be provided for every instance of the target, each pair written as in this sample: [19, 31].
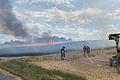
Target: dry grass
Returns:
[29, 71]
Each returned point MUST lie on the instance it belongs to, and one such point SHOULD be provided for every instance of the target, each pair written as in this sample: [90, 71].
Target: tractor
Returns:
[115, 60]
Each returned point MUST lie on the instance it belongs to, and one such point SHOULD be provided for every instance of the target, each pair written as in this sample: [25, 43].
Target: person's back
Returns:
[88, 50]
[62, 50]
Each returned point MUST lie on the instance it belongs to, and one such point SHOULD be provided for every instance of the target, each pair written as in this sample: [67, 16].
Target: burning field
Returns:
[42, 27]
[94, 67]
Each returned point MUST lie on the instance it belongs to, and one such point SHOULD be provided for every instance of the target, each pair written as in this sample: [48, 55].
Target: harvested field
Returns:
[95, 67]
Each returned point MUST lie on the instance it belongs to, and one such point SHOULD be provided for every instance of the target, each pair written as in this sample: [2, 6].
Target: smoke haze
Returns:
[9, 24]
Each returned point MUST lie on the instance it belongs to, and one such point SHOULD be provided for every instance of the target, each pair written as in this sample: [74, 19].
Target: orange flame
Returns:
[51, 42]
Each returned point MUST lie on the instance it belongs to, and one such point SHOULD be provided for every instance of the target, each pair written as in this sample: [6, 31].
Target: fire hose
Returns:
[92, 61]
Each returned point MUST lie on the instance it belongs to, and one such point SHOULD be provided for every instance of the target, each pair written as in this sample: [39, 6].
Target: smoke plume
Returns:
[9, 24]
[46, 34]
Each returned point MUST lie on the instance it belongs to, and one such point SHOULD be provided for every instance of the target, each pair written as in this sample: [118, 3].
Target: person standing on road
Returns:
[62, 51]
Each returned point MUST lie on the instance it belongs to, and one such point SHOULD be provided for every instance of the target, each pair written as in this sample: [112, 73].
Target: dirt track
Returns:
[96, 67]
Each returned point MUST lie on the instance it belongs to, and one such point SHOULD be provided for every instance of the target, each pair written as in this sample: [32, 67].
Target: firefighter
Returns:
[62, 51]
[88, 50]
[85, 49]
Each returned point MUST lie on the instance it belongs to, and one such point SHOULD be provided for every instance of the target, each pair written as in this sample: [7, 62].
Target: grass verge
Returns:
[29, 71]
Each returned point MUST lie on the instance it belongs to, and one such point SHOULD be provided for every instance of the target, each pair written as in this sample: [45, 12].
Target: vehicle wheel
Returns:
[118, 63]
[111, 62]
[118, 69]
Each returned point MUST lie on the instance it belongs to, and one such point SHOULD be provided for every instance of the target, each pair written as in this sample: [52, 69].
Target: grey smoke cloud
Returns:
[46, 34]
[9, 24]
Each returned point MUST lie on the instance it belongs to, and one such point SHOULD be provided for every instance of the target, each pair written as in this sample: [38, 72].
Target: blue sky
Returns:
[77, 19]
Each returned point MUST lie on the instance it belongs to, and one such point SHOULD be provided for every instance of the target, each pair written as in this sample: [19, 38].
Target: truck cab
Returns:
[115, 60]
